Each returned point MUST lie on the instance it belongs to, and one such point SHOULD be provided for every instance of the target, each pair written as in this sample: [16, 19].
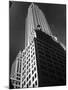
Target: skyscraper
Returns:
[42, 62]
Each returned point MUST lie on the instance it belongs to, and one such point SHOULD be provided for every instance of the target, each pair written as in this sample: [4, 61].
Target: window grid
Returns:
[28, 61]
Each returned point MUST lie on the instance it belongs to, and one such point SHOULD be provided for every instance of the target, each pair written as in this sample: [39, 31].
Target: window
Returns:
[33, 48]
[18, 75]
[32, 41]
[16, 82]
[33, 53]
[29, 76]
[18, 78]
[29, 59]
[35, 75]
[29, 55]
[24, 82]
[19, 83]
[34, 68]
[23, 68]
[35, 82]
[33, 85]
[32, 78]
[29, 64]
[17, 87]
[29, 83]
[27, 67]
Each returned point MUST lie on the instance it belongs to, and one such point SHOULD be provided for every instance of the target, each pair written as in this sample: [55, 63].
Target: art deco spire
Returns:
[34, 19]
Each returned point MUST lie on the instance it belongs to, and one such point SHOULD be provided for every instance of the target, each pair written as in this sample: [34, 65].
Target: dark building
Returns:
[51, 60]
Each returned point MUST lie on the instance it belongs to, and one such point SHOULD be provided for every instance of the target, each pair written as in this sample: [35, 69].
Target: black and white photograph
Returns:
[37, 44]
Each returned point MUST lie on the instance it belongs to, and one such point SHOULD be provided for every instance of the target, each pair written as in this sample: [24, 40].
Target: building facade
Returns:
[51, 61]
[43, 61]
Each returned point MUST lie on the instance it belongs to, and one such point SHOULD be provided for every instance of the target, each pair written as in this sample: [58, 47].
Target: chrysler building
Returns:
[43, 60]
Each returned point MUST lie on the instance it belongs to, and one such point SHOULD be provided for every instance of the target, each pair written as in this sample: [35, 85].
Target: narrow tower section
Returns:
[35, 20]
